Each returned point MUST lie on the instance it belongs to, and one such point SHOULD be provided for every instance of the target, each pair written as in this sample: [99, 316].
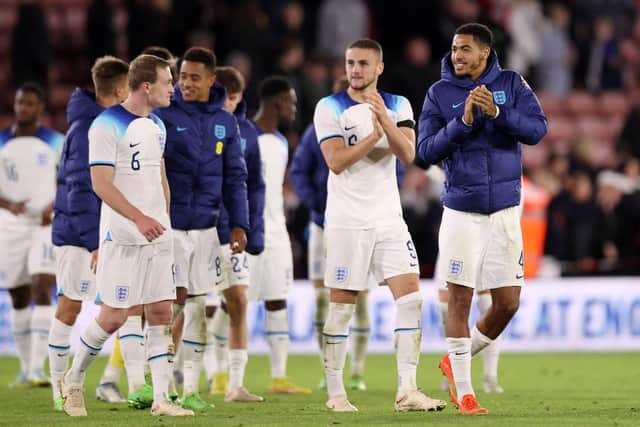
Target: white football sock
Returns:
[92, 340]
[443, 312]
[59, 345]
[478, 341]
[359, 336]
[112, 373]
[209, 359]
[133, 352]
[21, 322]
[322, 305]
[277, 329]
[237, 363]
[408, 336]
[460, 357]
[221, 337]
[160, 350]
[40, 326]
[491, 353]
[336, 333]
[194, 340]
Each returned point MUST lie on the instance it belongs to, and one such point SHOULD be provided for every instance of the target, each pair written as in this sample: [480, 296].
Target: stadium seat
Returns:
[552, 104]
[560, 128]
[580, 103]
[614, 103]
[595, 127]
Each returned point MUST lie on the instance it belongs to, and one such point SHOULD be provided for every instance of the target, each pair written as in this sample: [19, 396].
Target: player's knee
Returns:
[507, 308]
[158, 314]
[20, 297]
[275, 305]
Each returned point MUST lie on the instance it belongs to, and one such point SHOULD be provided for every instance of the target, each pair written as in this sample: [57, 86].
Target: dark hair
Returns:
[145, 69]
[367, 44]
[231, 79]
[202, 55]
[481, 33]
[34, 88]
[107, 72]
[272, 86]
[159, 51]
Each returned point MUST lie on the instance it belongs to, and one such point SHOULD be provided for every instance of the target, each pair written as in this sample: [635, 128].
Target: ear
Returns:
[380, 67]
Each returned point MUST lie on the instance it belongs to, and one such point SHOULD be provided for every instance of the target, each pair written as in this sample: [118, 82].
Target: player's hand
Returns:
[149, 227]
[93, 265]
[47, 215]
[378, 108]
[238, 240]
[18, 208]
[469, 109]
[483, 98]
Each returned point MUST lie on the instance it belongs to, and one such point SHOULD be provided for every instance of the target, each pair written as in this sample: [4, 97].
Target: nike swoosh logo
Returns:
[411, 264]
[219, 283]
[457, 105]
[198, 351]
[242, 278]
[63, 354]
[519, 276]
[134, 145]
[348, 129]
[181, 129]
[457, 353]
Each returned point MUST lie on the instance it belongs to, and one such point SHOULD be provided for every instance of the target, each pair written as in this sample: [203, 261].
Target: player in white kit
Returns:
[272, 271]
[135, 263]
[361, 131]
[29, 154]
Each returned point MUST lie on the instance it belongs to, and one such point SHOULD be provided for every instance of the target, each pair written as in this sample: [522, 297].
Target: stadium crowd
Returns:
[582, 198]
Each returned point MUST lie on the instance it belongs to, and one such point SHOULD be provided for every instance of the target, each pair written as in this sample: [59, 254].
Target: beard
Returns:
[364, 86]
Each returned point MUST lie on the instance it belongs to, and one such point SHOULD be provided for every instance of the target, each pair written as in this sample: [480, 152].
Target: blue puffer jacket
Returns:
[309, 173]
[255, 187]
[77, 208]
[204, 162]
[482, 162]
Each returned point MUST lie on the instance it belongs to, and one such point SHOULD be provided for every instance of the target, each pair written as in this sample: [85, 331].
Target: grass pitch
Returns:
[541, 390]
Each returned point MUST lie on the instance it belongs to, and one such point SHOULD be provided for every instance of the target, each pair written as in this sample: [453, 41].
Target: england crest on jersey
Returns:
[342, 273]
[455, 267]
[220, 131]
[499, 97]
[84, 286]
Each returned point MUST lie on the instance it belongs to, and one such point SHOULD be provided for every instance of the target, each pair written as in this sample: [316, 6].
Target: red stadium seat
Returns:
[595, 127]
[614, 103]
[560, 128]
[552, 104]
[580, 103]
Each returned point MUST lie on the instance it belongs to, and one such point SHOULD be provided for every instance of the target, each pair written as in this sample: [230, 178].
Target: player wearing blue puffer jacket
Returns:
[473, 121]
[76, 218]
[230, 320]
[205, 168]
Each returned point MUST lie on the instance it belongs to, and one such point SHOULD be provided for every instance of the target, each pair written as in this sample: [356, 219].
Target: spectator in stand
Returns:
[526, 23]
[339, 23]
[554, 73]
[603, 69]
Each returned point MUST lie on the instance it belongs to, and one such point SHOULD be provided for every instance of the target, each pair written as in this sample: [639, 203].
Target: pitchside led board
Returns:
[555, 315]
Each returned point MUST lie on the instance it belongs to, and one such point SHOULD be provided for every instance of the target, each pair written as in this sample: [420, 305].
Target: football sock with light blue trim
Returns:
[408, 337]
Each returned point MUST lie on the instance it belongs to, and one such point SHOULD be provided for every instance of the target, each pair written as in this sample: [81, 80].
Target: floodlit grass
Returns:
[541, 390]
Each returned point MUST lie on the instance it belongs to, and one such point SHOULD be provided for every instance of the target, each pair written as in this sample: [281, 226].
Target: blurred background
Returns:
[582, 58]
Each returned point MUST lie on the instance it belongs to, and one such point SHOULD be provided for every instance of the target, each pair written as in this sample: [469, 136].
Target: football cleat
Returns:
[110, 393]
[445, 368]
[194, 402]
[241, 394]
[416, 400]
[357, 383]
[73, 397]
[284, 386]
[219, 383]
[470, 406]
[340, 404]
[169, 409]
[141, 398]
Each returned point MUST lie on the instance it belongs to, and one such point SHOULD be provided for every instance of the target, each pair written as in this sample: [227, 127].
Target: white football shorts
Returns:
[74, 277]
[271, 272]
[316, 255]
[25, 250]
[231, 269]
[482, 251]
[196, 252]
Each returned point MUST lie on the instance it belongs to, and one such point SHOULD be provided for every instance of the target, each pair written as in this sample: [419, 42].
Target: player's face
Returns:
[160, 92]
[363, 67]
[287, 109]
[232, 101]
[195, 81]
[27, 107]
[467, 56]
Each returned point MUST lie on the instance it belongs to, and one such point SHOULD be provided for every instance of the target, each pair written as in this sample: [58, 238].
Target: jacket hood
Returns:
[217, 95]
[241, 111]
[490, 74]
[82, 105]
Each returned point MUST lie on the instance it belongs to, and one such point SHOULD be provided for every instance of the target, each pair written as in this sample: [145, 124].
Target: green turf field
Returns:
[541, 390]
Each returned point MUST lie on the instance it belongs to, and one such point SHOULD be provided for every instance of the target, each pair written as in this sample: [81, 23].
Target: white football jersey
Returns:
[134, 146]
[274, 152]
[365, 195]
[28, 172]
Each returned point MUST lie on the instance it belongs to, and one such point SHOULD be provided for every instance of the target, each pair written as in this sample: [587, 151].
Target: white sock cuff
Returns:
[409, 312]
[458, 344]
[94, 336]
[338, 318]
[475, 332]
[238, 355]
[59, 335]
[409, 298]
[484, 302]
[159, 343]
[21, 320]
[195, 332]
[277, 322]
[131, 328]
